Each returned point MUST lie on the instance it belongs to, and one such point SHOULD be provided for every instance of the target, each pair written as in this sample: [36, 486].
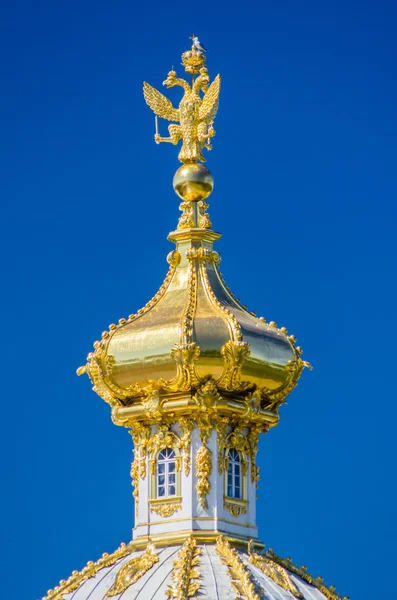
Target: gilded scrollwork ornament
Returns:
[163, 438]
[253, 440]
[235, 508]
[221, 426]
[187, 426]
[152, 406]
[234, 354]
[207, 396]
[186, 220]
[133, 570]
[184, 355]
[167, 509]
[204, 220]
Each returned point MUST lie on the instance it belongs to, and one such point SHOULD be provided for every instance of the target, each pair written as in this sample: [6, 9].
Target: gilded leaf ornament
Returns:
[203, 471]
[276, 572]
[133, 570]
[239, 574]
[185, 574]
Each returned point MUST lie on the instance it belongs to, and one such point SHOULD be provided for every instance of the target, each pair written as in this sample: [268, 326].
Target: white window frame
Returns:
[166, 457]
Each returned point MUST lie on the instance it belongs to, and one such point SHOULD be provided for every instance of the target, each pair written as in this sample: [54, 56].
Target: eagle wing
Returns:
[210, 103]
[160, 105]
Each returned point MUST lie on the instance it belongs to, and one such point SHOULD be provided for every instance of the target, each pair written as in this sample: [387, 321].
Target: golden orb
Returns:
[193, 182]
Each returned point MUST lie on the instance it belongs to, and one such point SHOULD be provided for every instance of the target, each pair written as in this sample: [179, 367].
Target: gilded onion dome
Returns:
[194, 328]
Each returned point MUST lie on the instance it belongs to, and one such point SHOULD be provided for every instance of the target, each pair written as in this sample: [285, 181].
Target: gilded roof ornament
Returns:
[193, 121]
[194, 336]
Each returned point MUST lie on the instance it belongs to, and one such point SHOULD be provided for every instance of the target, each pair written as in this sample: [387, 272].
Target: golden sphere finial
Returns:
[193, 182]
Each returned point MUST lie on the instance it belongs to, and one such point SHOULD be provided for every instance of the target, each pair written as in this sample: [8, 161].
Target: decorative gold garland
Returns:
[133, 570]
[239, 574]
[203, 470]
[317, 582]
[90, 570]
[185, 573]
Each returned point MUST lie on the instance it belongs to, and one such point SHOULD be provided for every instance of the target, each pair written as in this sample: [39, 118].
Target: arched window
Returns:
[234, 487]
[166, 473]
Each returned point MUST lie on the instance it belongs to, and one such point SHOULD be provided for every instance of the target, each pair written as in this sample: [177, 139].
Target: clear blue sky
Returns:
[305, 171]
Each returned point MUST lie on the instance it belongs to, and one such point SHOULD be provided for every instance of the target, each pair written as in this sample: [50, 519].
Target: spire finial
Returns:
[193, 121]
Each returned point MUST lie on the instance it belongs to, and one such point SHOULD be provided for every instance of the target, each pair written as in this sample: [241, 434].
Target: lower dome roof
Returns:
[214, 571]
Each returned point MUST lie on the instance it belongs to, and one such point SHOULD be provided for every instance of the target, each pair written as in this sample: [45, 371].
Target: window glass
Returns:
[234, 475]
[166, 473]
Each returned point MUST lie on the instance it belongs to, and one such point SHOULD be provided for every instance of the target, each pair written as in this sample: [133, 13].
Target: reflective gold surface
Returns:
[193, 182]
[196, 319]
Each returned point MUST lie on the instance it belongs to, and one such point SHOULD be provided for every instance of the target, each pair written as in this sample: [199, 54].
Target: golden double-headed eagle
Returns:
[194, 116]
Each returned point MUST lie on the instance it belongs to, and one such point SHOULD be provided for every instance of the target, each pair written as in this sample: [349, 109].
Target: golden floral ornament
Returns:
[236, 508]
[166, 509]
[185, 573]
[207, 396]
[133, 570]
